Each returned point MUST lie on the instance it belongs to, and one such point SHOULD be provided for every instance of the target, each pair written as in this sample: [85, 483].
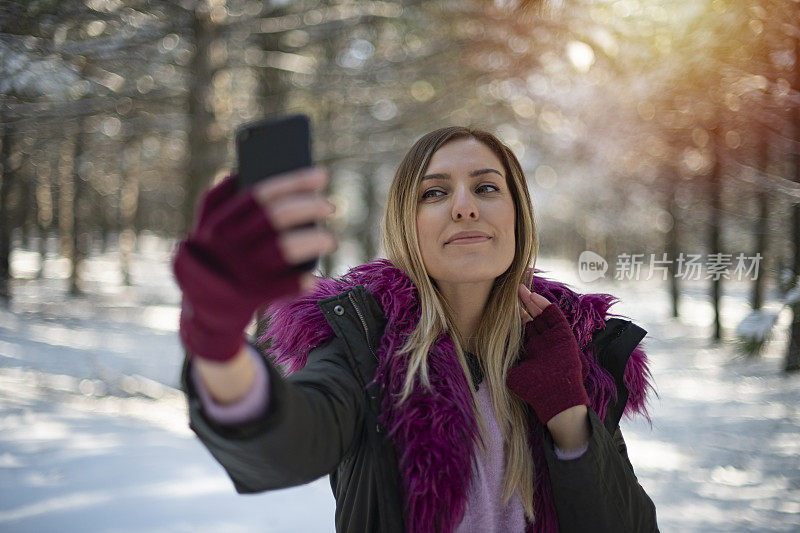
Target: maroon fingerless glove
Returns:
[551, 371]
[227, 268]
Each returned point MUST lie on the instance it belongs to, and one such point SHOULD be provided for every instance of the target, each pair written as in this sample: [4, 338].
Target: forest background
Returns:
[664, 137]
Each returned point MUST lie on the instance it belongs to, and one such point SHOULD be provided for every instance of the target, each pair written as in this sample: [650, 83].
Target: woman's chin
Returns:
[471, 270]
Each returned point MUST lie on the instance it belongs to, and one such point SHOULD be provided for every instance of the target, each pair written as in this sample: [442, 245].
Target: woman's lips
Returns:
[469, 240]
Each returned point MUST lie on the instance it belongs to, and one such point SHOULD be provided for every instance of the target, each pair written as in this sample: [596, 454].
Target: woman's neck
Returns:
[467, 301]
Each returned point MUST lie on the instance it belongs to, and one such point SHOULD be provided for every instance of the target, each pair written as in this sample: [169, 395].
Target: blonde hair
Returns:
[499, 333]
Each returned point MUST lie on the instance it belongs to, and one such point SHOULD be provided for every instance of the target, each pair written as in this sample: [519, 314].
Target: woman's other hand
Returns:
[532, 304]
[242, 255]
[551, 371]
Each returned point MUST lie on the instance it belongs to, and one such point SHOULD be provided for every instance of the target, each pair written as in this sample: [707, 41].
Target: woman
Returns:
[445, 388]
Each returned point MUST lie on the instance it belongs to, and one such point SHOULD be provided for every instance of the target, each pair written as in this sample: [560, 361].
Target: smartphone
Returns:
[271, 147]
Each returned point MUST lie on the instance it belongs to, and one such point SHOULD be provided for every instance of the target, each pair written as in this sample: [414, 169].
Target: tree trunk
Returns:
[762, 229]
[128, 205]
[106, 223]
[715, 225]
[202, 157]
[25, 213]
[273, 84]
[6, 182]
[367, 234]
[44, 210]
[793, 350]
[672, 238]
[324, 134]
[78, 235]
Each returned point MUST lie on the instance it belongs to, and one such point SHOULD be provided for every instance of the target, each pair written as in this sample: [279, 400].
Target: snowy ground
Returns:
[94, 436]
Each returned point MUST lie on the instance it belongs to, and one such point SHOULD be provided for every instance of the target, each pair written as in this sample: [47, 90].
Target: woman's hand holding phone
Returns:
[292, 200]
[242, 255]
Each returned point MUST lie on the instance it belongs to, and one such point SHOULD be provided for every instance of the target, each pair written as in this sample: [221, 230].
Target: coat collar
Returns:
[434, 431]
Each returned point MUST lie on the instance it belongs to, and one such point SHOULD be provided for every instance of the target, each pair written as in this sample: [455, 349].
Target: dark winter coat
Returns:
[408, 468]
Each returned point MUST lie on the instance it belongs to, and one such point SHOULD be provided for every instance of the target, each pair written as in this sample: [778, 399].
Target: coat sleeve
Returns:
[309, 425]
[599, 491]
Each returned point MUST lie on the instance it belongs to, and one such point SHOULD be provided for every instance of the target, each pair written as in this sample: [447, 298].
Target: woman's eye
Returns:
[427, 194]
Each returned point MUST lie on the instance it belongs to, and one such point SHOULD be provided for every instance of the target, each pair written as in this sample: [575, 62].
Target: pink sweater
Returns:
[484, 510]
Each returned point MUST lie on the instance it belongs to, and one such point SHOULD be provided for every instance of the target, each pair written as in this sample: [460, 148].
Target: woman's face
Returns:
[464, 189]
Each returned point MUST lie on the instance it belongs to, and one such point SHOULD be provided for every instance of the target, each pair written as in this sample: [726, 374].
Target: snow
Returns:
[94, 434]
[793, 296]
[758, 325]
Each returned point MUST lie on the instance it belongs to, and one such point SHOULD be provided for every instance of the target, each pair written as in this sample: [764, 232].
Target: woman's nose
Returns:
[464, 204]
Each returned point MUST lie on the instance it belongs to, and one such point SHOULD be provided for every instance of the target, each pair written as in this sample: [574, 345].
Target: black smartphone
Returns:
[270, 147]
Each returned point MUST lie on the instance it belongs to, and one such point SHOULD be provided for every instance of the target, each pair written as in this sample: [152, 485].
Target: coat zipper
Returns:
[363, 323]
[378, 428]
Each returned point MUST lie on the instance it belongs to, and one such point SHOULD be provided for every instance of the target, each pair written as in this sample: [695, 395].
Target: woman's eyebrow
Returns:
[445, 176]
